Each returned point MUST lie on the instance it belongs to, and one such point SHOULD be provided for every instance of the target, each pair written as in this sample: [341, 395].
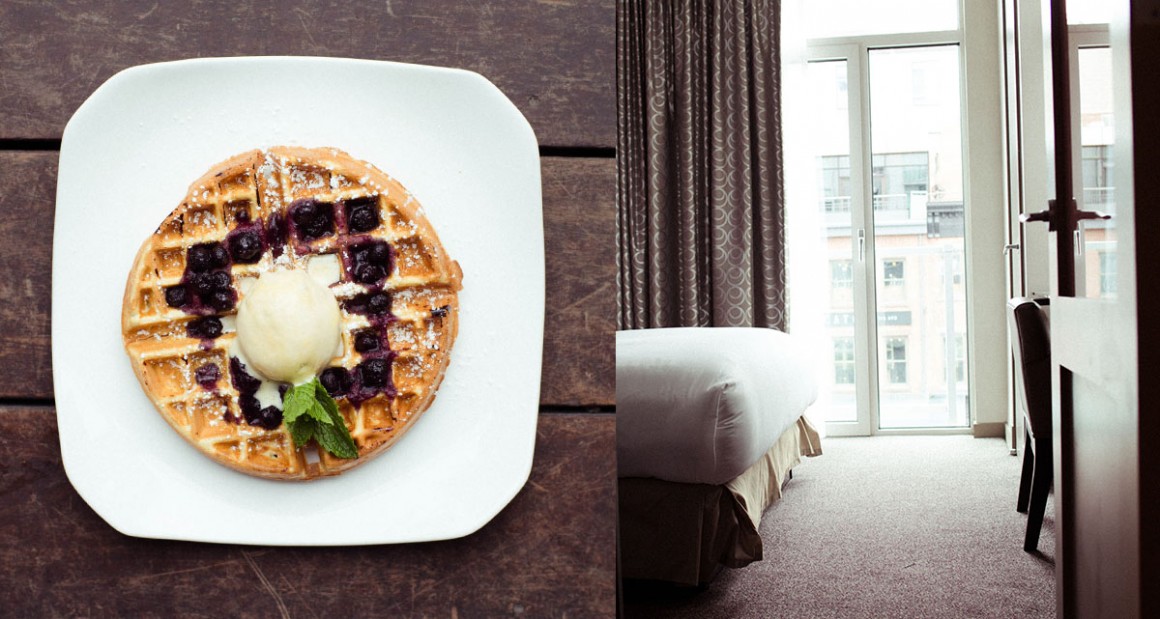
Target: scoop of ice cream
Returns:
[288, 326]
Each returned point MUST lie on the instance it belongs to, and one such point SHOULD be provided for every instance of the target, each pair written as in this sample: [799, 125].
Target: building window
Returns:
[841, 274]
[844, 361]
[1096, 168]
[896, 360]
[960, 357]
[1107, 273]
[893, 272]
[899, 178]
[835, 171]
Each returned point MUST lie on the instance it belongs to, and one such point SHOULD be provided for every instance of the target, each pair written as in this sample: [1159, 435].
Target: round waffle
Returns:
[356, 231]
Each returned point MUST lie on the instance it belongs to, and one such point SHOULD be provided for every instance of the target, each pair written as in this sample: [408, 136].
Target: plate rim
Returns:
[139, 527]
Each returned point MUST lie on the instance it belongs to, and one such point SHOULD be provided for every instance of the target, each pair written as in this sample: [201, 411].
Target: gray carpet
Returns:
[885, 527]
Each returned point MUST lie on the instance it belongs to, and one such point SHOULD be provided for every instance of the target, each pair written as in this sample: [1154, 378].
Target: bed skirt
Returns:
[681, 533]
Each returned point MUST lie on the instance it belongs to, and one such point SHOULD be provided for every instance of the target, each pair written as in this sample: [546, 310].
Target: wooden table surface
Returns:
[551, 552]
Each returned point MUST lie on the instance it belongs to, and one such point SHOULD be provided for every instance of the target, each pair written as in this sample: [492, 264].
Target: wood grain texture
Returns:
[550, 553]
[580, 321]
[579, 220]
[553, 58]
[27, 201]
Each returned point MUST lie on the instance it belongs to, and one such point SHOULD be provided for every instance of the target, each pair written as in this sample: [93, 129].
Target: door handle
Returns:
[1008, 248]
[1045, 215]
[1037, 216]
[1082, 215]
[861, 245]
[1051, 217]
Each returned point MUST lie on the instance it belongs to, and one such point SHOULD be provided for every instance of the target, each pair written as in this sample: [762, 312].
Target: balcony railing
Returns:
[882, 202]
[1102, 198]
[836, 204]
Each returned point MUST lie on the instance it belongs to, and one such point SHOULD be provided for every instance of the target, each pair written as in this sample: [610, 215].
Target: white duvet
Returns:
[701, 405]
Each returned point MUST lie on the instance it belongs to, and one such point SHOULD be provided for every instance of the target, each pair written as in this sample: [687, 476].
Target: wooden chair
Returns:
[1031, 347]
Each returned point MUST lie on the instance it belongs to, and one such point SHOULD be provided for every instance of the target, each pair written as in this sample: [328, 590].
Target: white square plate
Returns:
[449, 136]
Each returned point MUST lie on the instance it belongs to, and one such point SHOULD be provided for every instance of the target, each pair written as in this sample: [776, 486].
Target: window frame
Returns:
[888, 279]
[891, 344]
[856, 51]
[841, 264]
[847, 362]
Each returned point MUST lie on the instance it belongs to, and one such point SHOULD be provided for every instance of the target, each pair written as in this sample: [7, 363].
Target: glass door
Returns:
[919, 224]
[836, 136]
[1094, 122]
[889, 180]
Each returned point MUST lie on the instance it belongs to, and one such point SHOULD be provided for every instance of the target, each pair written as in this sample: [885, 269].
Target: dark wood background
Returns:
[551, 552]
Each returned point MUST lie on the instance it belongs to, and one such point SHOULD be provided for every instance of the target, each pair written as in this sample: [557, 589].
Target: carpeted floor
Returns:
[885, 527]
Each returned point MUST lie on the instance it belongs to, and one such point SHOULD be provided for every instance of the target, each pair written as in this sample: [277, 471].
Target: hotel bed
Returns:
[710, 421]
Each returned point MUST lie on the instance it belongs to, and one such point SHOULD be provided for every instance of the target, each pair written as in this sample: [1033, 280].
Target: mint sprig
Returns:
[310, 413]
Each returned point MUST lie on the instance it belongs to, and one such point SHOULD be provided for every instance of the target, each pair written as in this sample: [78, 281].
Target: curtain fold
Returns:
[700, 193]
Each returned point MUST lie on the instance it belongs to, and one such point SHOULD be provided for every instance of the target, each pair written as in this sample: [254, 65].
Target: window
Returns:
[835, 175]
[841, 274]
[1097, 133]
[1096, 166]
[832, 18]
[896, 360]
[923, 80]
[893, 272]
[1107, 273]
[844, 361]
[1089, 11]
[888, 180]
[899, 178]
[959, 354]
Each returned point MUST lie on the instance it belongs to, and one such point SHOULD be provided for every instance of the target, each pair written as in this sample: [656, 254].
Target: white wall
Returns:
[985, 216]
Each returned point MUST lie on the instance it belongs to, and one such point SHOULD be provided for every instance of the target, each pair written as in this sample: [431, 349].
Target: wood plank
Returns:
[27, 206]
[549, 553]
[579, 222]
[580, 321]
[554, 60]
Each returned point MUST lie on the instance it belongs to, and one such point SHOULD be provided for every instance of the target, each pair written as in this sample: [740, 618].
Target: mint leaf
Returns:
[328, 403]
[301, 431]
[298, 400]
[310, 413]
[336, 439]
[318, 413]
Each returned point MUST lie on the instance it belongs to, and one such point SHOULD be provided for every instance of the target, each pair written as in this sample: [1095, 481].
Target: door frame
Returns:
[861, 252]
[855, 51]
[1106, 463]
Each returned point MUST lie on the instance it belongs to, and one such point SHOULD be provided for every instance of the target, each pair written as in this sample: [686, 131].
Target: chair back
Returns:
[1031, 347]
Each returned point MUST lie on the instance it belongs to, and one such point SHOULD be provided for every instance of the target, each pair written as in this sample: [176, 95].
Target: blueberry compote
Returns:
[337, 381]
[206, 286]
[207, 376]
[269, 417]
[374, 305]
[312, 219]
[276, 234]
[204, 328]
[367, 340]
[370, 262]
[362, 214]
[368, 379]
[245, 244]
[373, 375]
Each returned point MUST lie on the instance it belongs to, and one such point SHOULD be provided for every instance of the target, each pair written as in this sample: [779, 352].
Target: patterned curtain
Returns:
[699, 194]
